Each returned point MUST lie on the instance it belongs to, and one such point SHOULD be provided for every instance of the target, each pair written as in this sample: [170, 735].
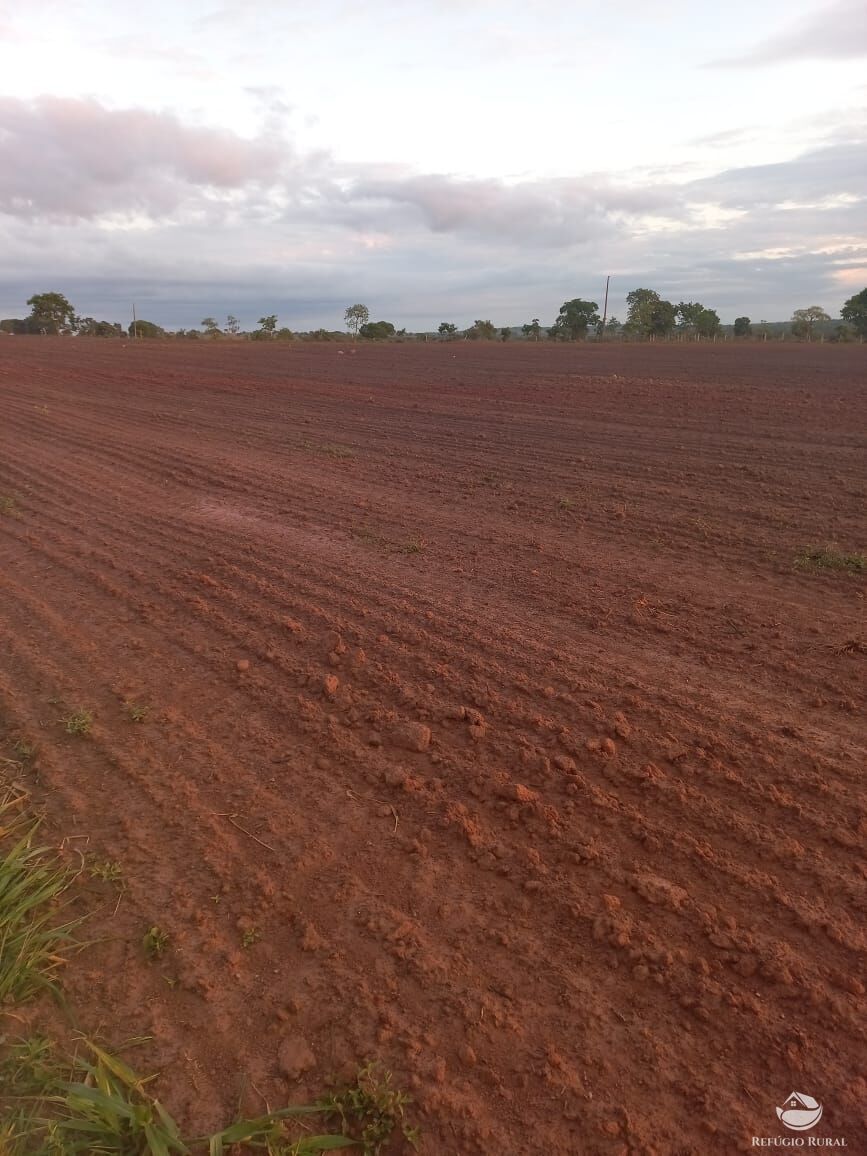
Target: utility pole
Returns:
[605, 307]
[134, 323]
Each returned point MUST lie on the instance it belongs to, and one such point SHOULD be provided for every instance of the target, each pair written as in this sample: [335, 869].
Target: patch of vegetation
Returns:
[135, 712]
[371, 537]
[107, 870]
[31, 885]
[414, 545]
[155, 942]
[96, 1103]
[565, 504]
[79, 722]
[828, 558]
[23, 750]
[411, 546]
[330, 450]
[92, 1102]
[372, 1110]
[251, 935]
[9, 507]
[333, 450]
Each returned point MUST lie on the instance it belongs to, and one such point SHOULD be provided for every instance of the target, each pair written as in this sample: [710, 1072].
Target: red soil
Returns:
[482, 684]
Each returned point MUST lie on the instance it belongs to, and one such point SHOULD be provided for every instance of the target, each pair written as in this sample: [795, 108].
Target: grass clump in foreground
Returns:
[827, 558]
[31, 884]
[372, 1110]
[94, 1103]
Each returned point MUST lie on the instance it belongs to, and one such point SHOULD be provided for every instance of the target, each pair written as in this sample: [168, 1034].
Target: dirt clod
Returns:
[412, 736]
[295, 1057]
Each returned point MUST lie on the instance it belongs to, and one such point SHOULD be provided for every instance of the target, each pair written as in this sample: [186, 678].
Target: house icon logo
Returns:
[800, 1113]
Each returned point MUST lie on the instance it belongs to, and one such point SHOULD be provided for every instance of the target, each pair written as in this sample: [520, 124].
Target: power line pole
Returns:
[134, 323]
[605, 307]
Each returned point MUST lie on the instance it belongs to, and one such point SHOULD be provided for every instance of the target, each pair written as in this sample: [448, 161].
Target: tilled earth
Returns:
[456, 705]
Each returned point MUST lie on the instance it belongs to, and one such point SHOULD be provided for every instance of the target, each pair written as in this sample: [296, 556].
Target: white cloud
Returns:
[491, 156]
[836, 31]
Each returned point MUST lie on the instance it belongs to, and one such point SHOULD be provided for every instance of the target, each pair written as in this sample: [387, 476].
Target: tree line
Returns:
[648, 317]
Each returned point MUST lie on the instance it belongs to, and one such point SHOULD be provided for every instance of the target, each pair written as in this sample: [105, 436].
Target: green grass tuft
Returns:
[411, 546]
[155, 942]
[80, 722]
[828, 558]
[96, 1103]
[108, 870]
[371, 1110]
[31, 883]
[23, 750]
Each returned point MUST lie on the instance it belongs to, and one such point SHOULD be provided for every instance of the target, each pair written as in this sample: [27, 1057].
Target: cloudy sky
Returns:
[435, 159]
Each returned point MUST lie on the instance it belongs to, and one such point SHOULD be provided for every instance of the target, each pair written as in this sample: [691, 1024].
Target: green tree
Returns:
[141, 328]
[693, 317]
[233, 325]
[649, 314]
[803, 320]
[743, 327]
[688, 314]
[50, 313]
[447, 329]
[482, 330]
[855, 312]
[505, 333]
[575, 318]
[210, 327]
[376, 330]
[356, 316]
[708, 323]
[90, 327]
[533, 331]
[268, 324]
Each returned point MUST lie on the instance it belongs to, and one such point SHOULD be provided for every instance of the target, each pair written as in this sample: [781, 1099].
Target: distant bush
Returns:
[145, 329]
[377, 330]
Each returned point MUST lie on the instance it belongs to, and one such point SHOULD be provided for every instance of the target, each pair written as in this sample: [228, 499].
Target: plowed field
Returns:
[460, 706]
